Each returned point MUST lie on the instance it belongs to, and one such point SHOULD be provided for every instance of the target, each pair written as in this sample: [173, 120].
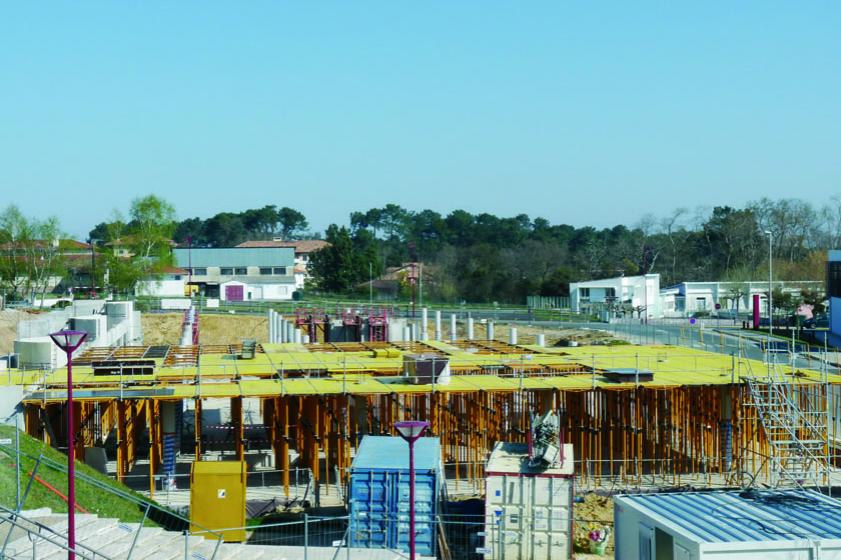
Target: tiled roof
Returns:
[302, 246]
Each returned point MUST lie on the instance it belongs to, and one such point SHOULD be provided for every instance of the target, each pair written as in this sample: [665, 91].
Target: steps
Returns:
[107, 538]
[795, 420]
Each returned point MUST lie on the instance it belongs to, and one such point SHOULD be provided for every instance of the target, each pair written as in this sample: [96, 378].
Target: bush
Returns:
[297, 295]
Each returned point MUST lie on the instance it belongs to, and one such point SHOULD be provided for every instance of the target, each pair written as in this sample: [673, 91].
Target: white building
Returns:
[303, 249]
[600, 296]
[694, 297]
[171, 282]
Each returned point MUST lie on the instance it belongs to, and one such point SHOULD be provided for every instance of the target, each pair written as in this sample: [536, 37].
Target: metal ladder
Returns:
[795, 420]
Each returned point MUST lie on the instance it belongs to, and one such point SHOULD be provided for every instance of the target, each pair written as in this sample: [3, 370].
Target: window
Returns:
[610, 293]
[177, 277]
[834, 279]
[226, 271]
[280, 271]
[265, 271]
[200, 272]
[701, 304]
[584, 292]
[241, 271]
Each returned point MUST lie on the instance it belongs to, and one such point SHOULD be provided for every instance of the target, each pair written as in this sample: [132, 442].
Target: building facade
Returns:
[240, 273]
[610, 296]
[733, 298]
[303, 250]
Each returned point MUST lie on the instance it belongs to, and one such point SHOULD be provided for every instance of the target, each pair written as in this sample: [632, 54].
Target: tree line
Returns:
[472, 257]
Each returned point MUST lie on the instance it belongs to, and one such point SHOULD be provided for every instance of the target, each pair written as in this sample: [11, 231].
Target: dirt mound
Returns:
[593, 512]
[165, 328]
[9, 319]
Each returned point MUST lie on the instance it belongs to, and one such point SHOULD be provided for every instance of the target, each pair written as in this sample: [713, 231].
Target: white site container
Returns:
[528, 511]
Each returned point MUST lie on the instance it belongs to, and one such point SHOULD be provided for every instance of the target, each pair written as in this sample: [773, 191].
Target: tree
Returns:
[292, 222]
[152, 226]
[225, 229]
[30, 257]
[332, 268]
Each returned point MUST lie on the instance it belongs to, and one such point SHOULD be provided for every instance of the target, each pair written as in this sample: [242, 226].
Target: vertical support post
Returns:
[490, 330]
[424, 324]
[198, 426]
[512, 336]
[453, 328]
[236, 420]
[438, 325]
[122, 443]
[470, 328]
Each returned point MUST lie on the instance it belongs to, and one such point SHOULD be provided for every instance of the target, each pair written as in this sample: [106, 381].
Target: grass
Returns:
[90, 497]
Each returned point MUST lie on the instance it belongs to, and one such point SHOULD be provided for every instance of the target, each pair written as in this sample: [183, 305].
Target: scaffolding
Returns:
[795, 422]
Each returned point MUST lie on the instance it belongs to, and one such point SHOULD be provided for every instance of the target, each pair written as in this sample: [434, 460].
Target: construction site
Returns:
[303, 398]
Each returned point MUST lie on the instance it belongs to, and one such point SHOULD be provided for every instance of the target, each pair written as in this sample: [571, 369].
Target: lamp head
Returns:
[68, 340]
[410, 430]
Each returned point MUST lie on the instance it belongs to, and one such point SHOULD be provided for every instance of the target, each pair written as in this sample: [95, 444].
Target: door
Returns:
[233, 293]
[646, 536]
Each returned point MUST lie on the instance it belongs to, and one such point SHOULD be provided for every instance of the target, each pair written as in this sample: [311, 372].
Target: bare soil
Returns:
[9, 319]
[595, 512]
[165, 328]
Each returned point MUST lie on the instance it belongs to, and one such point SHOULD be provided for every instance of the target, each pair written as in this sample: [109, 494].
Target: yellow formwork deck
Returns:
[292, 369]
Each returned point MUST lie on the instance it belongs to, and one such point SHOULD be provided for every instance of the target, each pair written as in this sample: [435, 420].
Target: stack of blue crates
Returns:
[378, 498]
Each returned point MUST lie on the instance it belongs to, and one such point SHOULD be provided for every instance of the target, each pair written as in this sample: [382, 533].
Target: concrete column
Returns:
[270, 316]
[512, 336]
[305, 339]
[490, 330]
[413, 331]
[424, 324]
[438, 325]
[453, 327]
[470, 328]
[407, 333]
[290, 331]
[296, 336]
[541, 340]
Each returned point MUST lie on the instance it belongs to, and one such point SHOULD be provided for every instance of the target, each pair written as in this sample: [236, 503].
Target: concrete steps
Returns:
[113, 539]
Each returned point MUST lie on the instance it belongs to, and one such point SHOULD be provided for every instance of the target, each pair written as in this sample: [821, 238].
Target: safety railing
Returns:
[41, 538]
[148, 513]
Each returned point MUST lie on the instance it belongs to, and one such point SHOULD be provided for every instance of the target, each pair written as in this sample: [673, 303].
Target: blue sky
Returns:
[583, 113]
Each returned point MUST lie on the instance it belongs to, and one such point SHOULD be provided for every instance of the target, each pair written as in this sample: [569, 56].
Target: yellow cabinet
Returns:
[217, 498]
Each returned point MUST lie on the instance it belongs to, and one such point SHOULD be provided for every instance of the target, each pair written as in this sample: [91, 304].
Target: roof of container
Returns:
[721, 517]
[513, 458]
[392, 453]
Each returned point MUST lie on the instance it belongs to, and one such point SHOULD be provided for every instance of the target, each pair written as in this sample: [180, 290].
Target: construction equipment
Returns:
[545, 448]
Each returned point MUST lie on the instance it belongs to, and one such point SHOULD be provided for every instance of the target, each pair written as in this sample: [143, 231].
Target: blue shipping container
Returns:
[378, 500]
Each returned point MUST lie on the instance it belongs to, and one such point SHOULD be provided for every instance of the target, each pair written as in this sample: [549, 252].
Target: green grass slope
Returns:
[90, 497]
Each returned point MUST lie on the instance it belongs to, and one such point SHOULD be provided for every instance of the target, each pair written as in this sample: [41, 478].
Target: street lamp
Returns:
[68, 341]
[411, 431]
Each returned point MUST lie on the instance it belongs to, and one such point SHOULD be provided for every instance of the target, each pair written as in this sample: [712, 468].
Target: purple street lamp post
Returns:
[411, 431]
[69, 341]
